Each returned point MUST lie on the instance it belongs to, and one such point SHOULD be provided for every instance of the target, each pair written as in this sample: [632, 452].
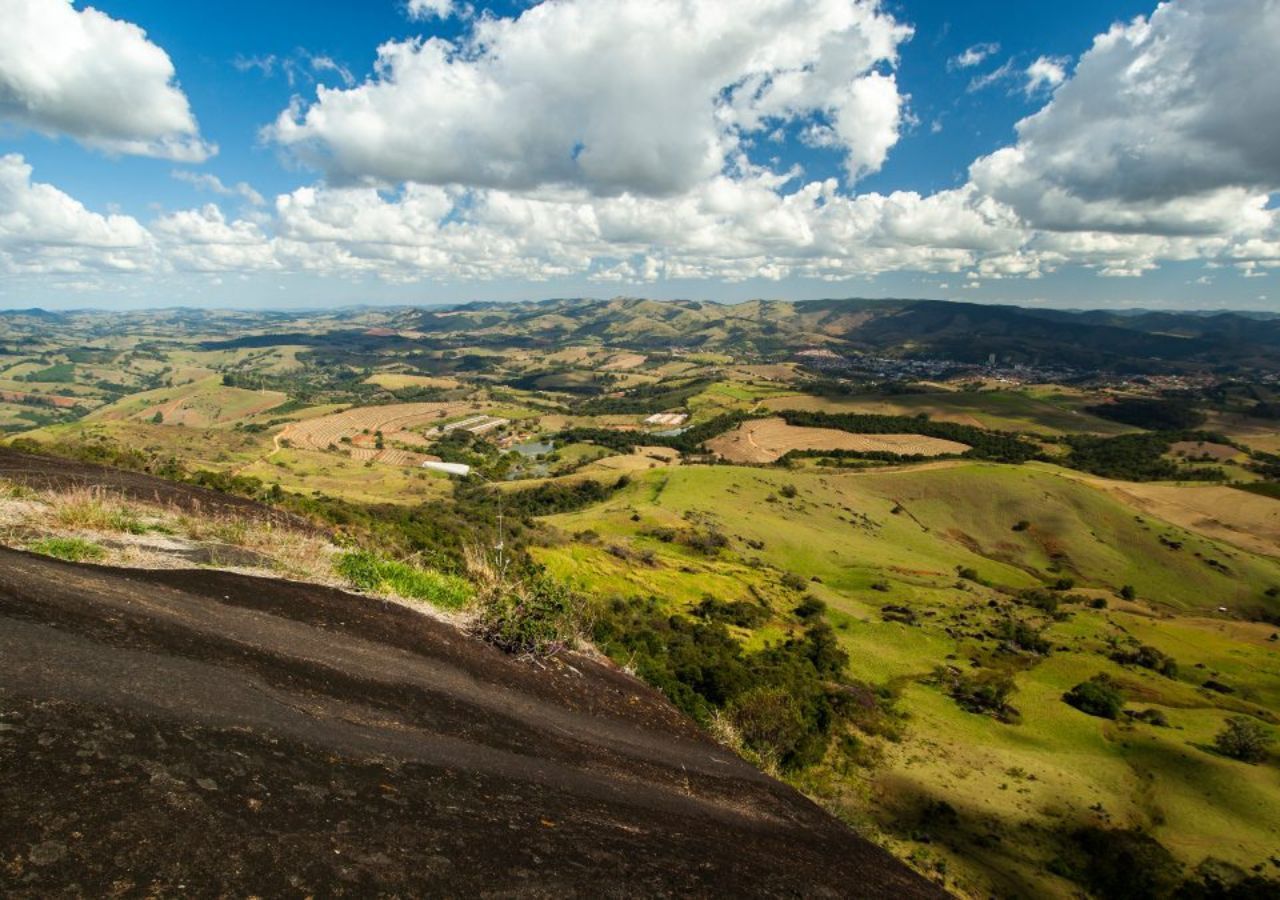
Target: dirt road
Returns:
[198, 732]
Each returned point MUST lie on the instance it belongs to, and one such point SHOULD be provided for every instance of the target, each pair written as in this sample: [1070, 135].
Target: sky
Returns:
[1093, 154]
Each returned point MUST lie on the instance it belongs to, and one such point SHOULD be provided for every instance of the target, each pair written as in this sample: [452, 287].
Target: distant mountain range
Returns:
[1128, 340]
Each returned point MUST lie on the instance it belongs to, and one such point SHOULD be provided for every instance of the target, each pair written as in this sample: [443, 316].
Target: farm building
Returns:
[448, 468]
[667, 419]
[475, 424]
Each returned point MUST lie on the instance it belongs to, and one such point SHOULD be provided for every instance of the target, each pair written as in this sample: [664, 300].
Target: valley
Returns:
[879, 568]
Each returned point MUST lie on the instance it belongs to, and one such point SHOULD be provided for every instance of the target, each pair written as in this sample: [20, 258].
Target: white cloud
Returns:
[265, 64]
[95, 78]
[426, 9]
[205, 181]
[642, 96]
[1168, 125]
[995, 76]
[1046, 72]
[204, 241]
[43, 230]
[1073, 190]
[300, 66]
[973, 56]
[328, 64]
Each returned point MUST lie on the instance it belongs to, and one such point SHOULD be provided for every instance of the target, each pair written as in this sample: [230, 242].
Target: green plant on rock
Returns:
[69, 549]
[367, 571]
[531, 614]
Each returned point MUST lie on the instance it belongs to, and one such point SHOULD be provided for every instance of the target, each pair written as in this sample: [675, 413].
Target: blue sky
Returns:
[144, 231]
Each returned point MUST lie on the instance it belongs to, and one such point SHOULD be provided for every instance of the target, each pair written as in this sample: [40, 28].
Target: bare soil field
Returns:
[1257, 434]
[394, 421]
[1249, 521]
[1204, 450]
[624, 361]
[318, 434]
[203, 732]
[767, 440]
[39, 399]
[205, 409]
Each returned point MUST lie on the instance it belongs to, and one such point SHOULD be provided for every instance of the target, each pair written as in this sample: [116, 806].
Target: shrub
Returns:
[1020, 636]
[1040, 599]
[1147, 657]
[769, 721]
[986, 693]
[793, 581]
[782, 701]
[708, 543]
[532, 614]
[1244, 739]
[810, 607]
[1120, 864]
[738, 612]
[1152, 717]
[1099, 696]
[367, 571]
[70, 549]
[788, 490]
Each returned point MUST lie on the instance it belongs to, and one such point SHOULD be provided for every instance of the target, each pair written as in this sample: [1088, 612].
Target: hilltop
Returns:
[259, 736]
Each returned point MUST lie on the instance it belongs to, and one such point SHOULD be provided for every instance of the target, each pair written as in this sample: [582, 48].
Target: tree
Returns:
[1099, 696]
[1244, 739]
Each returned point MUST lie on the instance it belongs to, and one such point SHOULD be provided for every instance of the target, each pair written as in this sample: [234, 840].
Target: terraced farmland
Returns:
[394, 421]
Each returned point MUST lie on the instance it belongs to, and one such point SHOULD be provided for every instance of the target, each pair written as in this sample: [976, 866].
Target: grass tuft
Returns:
[69, 549]
[367, 571]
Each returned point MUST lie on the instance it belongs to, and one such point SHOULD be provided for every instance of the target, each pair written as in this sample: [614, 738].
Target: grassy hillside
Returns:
[1051, 413]
[986, 803]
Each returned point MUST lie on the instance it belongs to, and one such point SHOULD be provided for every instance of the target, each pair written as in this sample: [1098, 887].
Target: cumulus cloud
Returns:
[95, 78]
[1067, 192]
[1168, 125]
[43, 230]
[643, 96]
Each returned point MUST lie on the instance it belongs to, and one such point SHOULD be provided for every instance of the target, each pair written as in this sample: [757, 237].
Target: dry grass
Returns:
[155, 535]
[93, 509]
[767, 440]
